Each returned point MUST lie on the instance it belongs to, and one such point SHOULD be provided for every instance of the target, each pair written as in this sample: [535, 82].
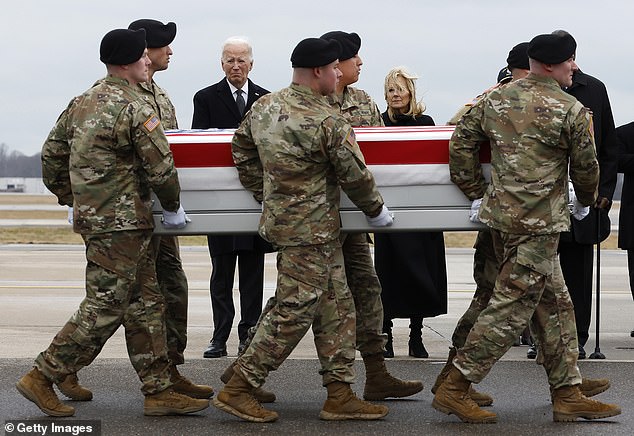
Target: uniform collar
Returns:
[543, 79]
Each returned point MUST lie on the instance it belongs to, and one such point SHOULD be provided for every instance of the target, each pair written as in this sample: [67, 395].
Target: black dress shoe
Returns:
[582, 352]
[215, 349]
[389, 347]
[389, 350]
[241, 347]
[632, 334]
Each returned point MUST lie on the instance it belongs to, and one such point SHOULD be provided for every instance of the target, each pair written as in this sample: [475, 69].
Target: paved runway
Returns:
[40, 286]
[522, 402]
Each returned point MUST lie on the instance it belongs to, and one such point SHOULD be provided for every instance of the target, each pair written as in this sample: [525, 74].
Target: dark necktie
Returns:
[240, 101]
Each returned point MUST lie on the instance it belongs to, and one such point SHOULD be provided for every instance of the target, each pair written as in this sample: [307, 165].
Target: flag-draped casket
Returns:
[410, 166]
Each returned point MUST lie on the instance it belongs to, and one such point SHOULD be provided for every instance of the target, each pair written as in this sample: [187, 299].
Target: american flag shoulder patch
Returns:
[152, 123]
[350, 137]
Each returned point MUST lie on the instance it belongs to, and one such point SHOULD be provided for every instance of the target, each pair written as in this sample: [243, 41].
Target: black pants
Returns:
[576, 264]
[251, 285]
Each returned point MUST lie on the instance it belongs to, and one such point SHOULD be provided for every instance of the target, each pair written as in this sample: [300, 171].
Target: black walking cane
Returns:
[597, 350]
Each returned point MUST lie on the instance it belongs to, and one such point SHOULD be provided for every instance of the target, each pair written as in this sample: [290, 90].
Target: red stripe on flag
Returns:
[394, 152]
[386, 152]
[191, 155]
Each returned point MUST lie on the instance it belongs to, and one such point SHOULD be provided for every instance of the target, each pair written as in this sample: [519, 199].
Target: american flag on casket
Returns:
[410, 166]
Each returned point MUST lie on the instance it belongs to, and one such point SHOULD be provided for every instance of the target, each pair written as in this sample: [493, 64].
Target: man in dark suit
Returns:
[625, 135]
[576, 248]
[223, 106]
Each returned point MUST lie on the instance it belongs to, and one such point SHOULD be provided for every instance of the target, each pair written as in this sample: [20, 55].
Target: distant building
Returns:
[27, 185]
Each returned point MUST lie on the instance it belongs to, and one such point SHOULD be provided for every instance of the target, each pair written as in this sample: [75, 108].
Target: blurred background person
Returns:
[411, 265]
[576, 248]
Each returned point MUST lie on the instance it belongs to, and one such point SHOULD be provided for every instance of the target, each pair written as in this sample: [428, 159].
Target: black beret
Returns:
[518, 56]
[157, 34]
[552, 49]
[315, 52]
[504, 76]
[122, 46]
[350, 43]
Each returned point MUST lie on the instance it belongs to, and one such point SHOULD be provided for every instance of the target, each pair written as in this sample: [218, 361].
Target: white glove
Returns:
[70, 215]
[572, 196]
[474, 213]
[383, 219]
[175, 220]
[577, 210]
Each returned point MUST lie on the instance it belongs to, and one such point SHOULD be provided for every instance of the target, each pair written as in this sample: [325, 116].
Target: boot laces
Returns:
[252, 402]
[465, 397]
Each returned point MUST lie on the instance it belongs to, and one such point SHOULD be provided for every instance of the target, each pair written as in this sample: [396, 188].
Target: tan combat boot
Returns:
[38, 389]
[71, 388]
[453, 397]
[237, 399]
[480, 398]
[380, 384]
[569, 404]
[590, 387]
[444, 371]
[168, 402]
[184, 386]
[260, 394]
[343, 404]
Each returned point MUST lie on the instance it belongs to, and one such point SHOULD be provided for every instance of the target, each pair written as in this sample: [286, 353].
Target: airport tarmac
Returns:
[41, 286]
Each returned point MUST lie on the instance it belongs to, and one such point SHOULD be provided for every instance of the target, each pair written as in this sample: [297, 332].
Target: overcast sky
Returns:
[50, 49]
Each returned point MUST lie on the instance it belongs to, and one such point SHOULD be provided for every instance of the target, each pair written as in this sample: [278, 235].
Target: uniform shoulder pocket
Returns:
[350, 142]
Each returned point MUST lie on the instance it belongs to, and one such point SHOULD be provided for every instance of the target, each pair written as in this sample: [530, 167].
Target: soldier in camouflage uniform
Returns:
[358, 108]
[538, 135]
[294, 154]
[169, 269]
[485, 263]
[105, 154]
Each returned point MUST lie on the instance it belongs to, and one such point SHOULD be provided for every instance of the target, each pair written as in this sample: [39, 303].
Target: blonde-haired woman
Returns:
[403, 109]
[411, 266]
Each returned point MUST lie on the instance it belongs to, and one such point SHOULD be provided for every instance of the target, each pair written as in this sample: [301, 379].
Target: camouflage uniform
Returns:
[104, 156]
[485, 271]
[293, 153]
[358, 108]
[485, 264]
[169, 268]
[536, 132]
[464, 109]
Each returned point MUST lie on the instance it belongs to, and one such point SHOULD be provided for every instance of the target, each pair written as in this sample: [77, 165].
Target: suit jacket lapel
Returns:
[224, 94]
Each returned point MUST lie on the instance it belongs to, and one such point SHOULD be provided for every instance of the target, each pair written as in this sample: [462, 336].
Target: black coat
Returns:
[404, 120]
[411, 265]
[591, 92]
[215, 107]
[625, 135]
